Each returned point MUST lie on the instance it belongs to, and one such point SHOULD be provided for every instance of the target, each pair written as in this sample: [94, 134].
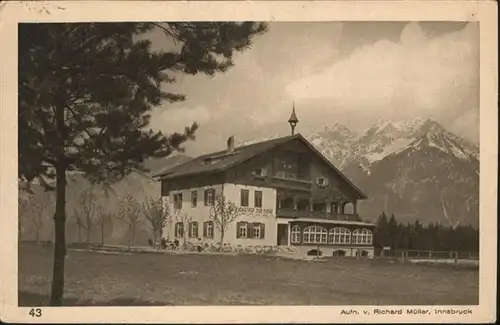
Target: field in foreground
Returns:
[164, 279]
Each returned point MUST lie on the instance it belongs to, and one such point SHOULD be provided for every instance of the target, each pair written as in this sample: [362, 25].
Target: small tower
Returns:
[293, 120]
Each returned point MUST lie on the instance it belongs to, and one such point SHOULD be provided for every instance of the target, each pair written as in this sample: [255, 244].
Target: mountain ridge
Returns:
[414, 169]
[394, 162]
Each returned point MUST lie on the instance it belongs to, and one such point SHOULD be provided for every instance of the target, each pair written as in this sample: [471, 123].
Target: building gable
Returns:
[295, 164]
[277, 158]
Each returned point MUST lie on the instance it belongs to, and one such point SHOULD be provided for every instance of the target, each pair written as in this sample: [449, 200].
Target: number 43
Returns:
[35, 312]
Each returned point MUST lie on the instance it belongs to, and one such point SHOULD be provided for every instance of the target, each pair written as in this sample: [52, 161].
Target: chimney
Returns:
[230, 144]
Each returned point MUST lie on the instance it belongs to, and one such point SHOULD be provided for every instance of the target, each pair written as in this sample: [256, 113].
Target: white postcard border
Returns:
[71, 11]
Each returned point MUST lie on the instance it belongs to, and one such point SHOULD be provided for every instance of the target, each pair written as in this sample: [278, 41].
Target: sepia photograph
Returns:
[245, 162]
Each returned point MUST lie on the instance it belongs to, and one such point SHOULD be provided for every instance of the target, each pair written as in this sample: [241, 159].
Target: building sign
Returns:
[261, 211]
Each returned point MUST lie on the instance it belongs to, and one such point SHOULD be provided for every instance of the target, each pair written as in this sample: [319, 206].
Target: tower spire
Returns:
[293, 120]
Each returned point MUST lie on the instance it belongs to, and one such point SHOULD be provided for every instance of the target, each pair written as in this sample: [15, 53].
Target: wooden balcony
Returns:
[291, 213]
[285, 183]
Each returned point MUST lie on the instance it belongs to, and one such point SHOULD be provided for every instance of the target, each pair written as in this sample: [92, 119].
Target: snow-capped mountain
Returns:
[415, 169]
[431, 134]
[434, 178]
[335, 142]
[382, 139]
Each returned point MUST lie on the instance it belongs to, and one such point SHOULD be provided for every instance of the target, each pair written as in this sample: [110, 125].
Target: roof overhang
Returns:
[338, 222]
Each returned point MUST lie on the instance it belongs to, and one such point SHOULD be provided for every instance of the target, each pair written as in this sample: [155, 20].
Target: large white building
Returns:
[286, 191]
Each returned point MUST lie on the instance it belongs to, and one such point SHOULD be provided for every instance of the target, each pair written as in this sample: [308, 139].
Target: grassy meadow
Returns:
[94, 278]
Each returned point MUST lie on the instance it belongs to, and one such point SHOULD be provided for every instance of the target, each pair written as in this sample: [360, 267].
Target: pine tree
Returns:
[416, 235]
[381, 235]
[392, 229]
[85, 95]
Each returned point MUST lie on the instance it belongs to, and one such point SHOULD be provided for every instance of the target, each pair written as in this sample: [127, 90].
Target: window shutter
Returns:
[205, 229]
[249, 230]
[262, 230]
[238, 226]
[205, 199]
[255, 225]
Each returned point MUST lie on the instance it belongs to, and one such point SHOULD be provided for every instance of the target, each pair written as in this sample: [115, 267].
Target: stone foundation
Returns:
[339, 251]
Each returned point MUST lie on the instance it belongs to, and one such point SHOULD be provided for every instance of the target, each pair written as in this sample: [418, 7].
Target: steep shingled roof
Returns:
[223, 160]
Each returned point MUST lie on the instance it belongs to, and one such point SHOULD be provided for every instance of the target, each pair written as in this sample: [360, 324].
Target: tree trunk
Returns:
[88, 235]
[102, 234]
[129, 238]
[37, 234]
[221, 239]
[79, 234]
[56, 297]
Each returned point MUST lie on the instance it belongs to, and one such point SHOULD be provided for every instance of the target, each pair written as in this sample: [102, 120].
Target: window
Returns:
[321, 206]
[286, 175]
[362, 236]
[210, 197]
[259, 172]
[193, 229]
[242, 230]
[321, 182]
[208, 229]
[258, 230]
[179, 230]
[315, 235]
[258, 199]
[244, 197]
[178, 201]
[339, 236]
[194, 199]
[295, 234]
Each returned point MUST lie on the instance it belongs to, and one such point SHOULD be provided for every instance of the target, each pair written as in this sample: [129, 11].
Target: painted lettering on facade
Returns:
[260, 211]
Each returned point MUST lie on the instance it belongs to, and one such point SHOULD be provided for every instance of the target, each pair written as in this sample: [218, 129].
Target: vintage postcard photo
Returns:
[248, 162]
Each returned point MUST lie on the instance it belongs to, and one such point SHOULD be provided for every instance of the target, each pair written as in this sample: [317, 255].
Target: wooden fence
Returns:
[450, 257]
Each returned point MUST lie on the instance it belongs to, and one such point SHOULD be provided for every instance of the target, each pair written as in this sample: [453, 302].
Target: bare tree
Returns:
[102, 219]
[34, 209]
[130, 211]
[223, 213]
[185, 220]
[79, 221]
[88, 211]
[24, 210]
[157, 215]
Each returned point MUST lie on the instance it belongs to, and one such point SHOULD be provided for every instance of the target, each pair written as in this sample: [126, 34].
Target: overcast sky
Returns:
[352, 73]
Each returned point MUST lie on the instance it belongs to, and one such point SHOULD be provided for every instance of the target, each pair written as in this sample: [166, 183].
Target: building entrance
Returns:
[282, 234]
